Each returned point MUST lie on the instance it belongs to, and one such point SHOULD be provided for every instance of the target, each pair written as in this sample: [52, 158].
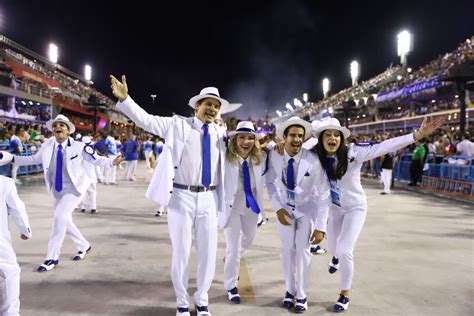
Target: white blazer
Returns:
[349, 186]
[311, 188]
[231, 184]
[76, 162]
[10, 205]
[175, 130]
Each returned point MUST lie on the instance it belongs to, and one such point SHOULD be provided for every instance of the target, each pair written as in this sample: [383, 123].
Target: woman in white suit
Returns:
[244, 168]
[10, 206]
[349, 205]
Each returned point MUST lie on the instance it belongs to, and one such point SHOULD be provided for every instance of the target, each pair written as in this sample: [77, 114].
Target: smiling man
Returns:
[188, 179]
[64, 163]
[300, 197]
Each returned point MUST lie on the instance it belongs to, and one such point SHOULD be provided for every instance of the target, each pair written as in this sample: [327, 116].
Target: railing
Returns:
[23, 170]
[447, 177]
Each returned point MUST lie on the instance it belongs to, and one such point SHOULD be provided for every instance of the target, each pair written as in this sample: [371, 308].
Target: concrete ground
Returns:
[414, 257]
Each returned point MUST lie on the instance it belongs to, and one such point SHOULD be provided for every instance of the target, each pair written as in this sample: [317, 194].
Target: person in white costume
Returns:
[309, 144]
[148, 151]
[189, 181]
[157, 149]
[349, 205]
[10, 206]
[110, 173]
[90, 197]
[244, 169]
[66, 180]
[292, 180]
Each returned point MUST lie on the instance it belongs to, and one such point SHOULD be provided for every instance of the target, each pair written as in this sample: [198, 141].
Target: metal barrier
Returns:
[447, 177]
[23, 170]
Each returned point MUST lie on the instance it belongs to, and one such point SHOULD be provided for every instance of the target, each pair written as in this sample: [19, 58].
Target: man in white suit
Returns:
[64, 166]
[10, 205]
[188, 180]
[292, 180]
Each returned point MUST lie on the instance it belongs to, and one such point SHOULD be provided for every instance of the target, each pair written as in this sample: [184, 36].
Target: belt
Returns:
[194, 188]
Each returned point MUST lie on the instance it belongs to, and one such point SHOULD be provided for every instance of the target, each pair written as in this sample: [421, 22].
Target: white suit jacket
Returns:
[76, 162]
[311, 188]
[349, 186]
[11, 205]
[231, 184]
[175, 130]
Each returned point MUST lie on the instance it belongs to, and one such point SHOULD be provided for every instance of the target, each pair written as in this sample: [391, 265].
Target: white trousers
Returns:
[239, 235]
[130, 167]
[193, 215]
[15, 168]
[296, 256]
[147, 158]
[386, 176]
[90, 198]
[110, 172]
[63, 224]
[99, 171]
[9, 289]
[344, 227]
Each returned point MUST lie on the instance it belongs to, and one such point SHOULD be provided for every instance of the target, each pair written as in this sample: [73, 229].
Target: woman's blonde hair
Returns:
[233, 154]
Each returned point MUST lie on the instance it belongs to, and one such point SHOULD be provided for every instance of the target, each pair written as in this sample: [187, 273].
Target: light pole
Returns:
[153, 96]
[354, 72]
[404, 46]
[325, 87]
[53, 53]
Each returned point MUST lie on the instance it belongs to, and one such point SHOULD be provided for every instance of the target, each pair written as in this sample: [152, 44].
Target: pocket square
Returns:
[306, 174]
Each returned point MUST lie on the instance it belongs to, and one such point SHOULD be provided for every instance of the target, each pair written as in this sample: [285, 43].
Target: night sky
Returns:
[259, 53]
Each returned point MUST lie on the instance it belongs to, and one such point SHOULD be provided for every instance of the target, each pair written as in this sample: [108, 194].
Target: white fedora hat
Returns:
[295, 120]
[332, 123]
[231, 108]
[209, 92]
[315, 124]
[5, 157]
[63, 119]
[244, 127]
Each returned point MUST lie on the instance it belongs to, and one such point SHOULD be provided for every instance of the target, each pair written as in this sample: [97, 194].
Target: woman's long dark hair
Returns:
[341, 155]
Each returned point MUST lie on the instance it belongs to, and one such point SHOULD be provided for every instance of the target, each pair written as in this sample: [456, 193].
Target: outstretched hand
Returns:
[119, 89]
[117, 160]
[427, 129]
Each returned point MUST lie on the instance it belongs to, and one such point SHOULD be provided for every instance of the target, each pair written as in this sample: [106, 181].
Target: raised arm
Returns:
[364, 153]
[157, 125]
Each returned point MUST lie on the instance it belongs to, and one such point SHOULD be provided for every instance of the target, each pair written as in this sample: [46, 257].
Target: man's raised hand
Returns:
[119, 89]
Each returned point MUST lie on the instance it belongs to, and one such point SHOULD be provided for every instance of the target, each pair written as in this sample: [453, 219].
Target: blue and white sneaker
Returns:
[333, 265]
[317, 250]
[301, 305]
[48, 265]
[202, 311]
[342, 304]
[81, 254]
[288, 301]
[182, 311]
[234, 296]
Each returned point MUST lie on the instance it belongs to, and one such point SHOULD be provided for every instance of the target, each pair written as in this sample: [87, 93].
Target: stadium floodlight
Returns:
[325, 87]
[279, 113]
[53, 53]
[289, 107]
[305, 97]
[354, 72]
[405, 46]
[88, 72]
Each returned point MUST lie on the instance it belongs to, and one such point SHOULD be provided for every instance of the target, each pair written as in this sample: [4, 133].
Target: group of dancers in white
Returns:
[208, 177]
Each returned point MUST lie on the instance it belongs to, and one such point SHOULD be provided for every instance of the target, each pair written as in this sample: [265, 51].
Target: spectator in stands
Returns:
[466, 146]
[416, 167]
[16, 148]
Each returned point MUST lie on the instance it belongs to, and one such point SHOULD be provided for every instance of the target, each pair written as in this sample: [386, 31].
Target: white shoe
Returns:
[182, 311]
[17, 181]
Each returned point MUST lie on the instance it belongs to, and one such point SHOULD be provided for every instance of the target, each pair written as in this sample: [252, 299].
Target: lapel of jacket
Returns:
[302, 168]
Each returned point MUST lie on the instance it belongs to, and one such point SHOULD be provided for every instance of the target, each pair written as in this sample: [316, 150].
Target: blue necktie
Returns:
[59, 169]
[248, 189]
[330, 168]
[290, 175]
[206, 156]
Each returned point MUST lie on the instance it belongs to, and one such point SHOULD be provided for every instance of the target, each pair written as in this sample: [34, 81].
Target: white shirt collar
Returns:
[296, 157]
